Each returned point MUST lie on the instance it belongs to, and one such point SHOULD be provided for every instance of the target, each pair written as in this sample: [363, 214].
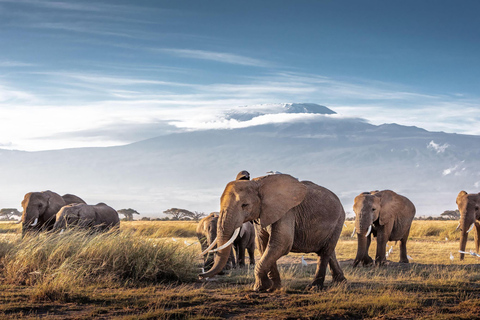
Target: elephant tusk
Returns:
[34, 223]
[63, 230]
[368, 231]
[457, 226]
[210, 247]
[229, 242]
[470, 229]
[353, 233]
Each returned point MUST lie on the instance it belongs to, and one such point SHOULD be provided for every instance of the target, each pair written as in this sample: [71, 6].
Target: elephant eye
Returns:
[373, 209]
[40, 205]
[244, 205]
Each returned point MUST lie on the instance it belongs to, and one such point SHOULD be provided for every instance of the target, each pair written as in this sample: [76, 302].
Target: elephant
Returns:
[388, 216]
[99, 217]
[40, 209]
[206, 234]
[245, 241]
[468, 205]
[289, 216]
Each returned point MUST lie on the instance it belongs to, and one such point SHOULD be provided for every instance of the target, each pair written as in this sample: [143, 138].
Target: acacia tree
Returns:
[179, 214]
[198, 215]
[128, 213]
[9, 212]
[451, 214]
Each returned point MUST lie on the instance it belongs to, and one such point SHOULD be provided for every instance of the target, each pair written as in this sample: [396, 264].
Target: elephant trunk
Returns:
[221, 259]
[363, 224]
[361, 250]
[465, 226]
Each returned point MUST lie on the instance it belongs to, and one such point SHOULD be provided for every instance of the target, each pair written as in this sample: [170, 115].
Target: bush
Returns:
[78, 258]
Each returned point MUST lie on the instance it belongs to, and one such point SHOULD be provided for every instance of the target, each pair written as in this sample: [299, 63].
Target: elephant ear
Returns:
[54, 202]
[279, 193]
[460, 196]
[388, 205]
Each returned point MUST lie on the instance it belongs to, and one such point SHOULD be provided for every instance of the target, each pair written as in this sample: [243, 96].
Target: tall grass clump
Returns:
[56, 262]
[161, 229]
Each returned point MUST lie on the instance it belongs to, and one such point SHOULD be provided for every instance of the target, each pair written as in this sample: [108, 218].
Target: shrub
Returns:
[79, 257]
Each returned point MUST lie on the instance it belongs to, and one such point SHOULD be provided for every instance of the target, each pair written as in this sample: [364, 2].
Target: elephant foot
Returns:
[315, 287]
[263, 286]
[339, 279]
[365, 262]
[379, 263]
[404, 261]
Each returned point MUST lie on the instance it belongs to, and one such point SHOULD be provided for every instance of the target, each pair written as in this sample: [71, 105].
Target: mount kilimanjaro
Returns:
[311, 142]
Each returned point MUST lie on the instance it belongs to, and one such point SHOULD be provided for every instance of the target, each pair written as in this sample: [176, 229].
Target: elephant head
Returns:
[39, 210]
[367, 207]
[468, 205]
[265, 200]
[68, 215]
[206, 234]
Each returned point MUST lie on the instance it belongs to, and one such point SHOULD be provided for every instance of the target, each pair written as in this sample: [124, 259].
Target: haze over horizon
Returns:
[91, 74]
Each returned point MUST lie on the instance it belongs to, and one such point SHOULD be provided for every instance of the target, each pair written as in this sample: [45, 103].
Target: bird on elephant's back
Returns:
[289, 216]
[40, 209]
[387, 216]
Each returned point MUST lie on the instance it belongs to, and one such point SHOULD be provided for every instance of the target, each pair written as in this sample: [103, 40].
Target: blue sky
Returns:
[98, 73]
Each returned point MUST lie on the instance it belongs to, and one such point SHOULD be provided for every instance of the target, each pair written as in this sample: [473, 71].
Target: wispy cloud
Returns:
[437, 147]
[11, 63]
[100, 103]
[222, 57]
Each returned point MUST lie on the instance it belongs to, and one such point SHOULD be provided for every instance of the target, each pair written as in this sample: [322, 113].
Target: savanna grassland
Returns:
[147, 270]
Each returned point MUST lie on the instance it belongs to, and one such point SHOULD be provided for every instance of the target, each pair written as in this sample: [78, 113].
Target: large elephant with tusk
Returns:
[40, 209]
[290, 216]
[468, 205]
[388, 216]
[99, 217]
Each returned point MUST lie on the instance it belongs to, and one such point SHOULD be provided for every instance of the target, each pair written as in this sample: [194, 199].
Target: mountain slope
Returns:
[191, 169]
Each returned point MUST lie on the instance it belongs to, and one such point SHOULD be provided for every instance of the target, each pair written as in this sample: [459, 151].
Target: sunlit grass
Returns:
[143, 273]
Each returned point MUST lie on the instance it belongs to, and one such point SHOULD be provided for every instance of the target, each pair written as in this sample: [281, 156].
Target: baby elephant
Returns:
[99, 217]
[388, 216]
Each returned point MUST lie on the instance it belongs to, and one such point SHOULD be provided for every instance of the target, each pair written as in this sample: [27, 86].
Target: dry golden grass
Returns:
[96, 278]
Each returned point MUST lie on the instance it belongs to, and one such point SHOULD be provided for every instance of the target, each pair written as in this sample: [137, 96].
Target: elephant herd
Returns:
[47, 210]
[277, 214]
[289, 215]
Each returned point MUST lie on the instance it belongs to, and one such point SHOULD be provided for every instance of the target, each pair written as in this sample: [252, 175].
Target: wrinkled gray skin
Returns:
[469, 207]
[206, 234]
[44, 206]
[290, 216]
[390, 216]
[99, 217]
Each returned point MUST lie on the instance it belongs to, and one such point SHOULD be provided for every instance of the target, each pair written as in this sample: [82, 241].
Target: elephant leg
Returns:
[323, 261]
[476, 236]
[274, 276]
[403, 248]
[367, 260]
[231, 260]
[241, 255]
[382, 239]
[251, 255]
[279, 244]
[337, 272]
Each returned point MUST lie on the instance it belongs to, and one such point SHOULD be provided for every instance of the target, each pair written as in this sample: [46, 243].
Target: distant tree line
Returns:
[173, 214]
